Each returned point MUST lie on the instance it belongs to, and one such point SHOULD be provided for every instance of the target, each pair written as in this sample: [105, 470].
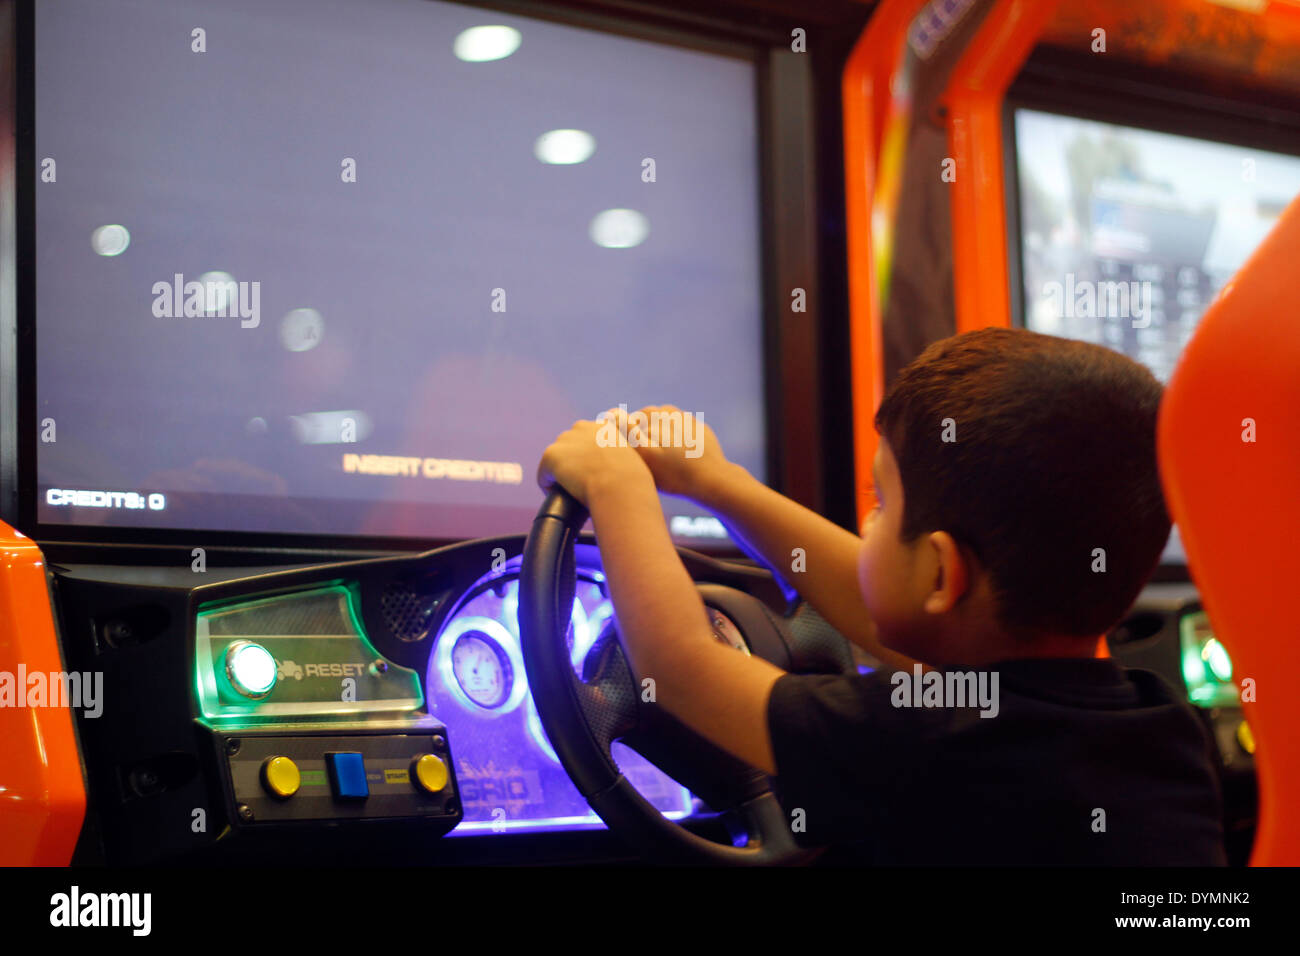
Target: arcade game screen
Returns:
[1127, 234]
[323, 269]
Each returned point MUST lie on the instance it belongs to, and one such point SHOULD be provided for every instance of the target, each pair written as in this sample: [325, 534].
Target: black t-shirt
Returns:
[1085, 763]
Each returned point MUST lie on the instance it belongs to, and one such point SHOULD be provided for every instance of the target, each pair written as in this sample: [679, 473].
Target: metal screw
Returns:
[232, 746]
[246, 813]
[439, 742]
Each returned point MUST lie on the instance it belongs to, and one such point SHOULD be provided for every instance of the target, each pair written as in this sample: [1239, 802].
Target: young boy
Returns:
[1018, 513]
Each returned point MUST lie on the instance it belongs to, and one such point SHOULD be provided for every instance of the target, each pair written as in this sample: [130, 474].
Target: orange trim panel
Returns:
[866, 95]
[975, 95]
[42, 792]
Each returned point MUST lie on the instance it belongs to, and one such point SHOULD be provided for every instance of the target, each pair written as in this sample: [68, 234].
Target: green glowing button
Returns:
[1217, 657]
[251, 669]
[1193, 669]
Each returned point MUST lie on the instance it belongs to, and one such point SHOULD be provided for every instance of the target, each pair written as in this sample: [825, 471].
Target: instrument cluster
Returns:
[510, 776]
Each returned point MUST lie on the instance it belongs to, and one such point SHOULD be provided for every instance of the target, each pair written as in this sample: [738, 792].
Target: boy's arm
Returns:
[775, 526]
[716, 691]
[692, 464]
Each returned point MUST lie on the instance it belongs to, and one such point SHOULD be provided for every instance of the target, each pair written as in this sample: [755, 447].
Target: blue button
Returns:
[348, 775]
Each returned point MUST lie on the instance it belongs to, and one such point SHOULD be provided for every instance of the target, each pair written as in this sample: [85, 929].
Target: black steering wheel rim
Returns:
[546, 586]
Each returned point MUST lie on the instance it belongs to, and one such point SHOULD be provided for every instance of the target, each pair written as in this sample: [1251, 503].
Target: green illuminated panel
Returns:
[324, 664]
[313, 778]
[1207, 668]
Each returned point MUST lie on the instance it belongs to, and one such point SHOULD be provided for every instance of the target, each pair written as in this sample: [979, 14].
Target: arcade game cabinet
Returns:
[303, 291]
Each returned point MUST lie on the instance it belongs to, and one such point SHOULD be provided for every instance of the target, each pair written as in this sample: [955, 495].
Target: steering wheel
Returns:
[582, 717]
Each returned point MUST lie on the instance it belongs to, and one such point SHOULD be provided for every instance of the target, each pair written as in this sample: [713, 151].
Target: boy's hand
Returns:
[680, 450]
[583, 459]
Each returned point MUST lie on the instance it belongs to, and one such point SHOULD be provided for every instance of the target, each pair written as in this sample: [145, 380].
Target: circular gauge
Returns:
[477, 660]
[482, 668]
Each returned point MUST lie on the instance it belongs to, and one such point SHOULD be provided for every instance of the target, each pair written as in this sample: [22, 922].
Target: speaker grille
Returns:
[408, 610]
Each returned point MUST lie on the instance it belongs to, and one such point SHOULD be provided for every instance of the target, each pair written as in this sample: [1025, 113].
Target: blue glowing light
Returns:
[582, 636]
[509, 776]
[537, 733]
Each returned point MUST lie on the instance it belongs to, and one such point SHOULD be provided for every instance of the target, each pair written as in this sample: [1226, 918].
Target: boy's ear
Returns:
[952, 573]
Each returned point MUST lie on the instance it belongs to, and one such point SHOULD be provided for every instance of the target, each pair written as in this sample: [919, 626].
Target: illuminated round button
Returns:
[429, 772]
[1246, 737]
[1217, 657]
[251, 669]
[280, 776]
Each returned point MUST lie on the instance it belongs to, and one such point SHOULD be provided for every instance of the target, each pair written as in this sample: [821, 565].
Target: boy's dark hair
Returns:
[1054, 457]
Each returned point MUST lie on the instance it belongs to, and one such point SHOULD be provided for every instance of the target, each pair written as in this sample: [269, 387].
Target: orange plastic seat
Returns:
[1229, 446]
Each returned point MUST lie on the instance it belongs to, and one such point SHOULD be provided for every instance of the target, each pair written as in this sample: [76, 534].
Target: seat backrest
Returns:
[1229, 446]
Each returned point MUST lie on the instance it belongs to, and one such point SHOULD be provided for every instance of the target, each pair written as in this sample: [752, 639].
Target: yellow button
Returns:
[429, 772]
[1245, 737]
[280, 776]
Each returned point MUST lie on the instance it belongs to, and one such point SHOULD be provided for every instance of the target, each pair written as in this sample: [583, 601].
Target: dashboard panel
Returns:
[510, 777]
[305, 657]
[381, 704]
[251, 711]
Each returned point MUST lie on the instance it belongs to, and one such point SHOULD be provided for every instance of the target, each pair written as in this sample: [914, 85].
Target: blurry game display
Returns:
[348, 268]
[1127, 235]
